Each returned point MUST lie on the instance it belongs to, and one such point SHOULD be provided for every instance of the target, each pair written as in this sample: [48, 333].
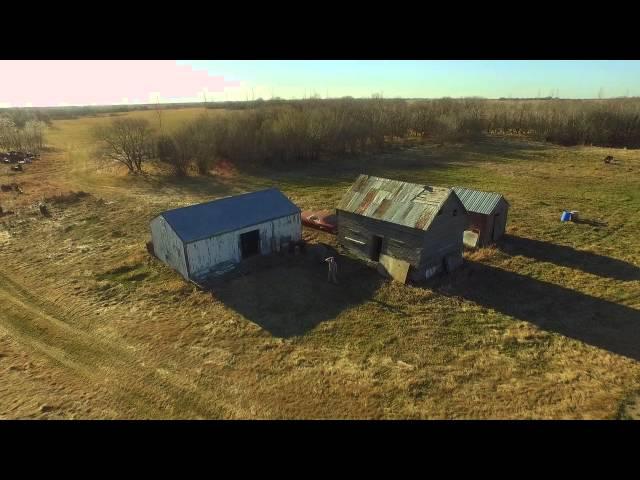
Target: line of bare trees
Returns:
[303, 131]
[608, 123]
[298, 132]
[30, 136]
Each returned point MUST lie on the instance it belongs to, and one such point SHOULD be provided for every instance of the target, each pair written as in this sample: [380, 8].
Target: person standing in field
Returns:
[332, 276]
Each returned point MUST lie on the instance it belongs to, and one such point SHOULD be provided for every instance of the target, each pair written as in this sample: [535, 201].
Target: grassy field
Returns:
[544, 325]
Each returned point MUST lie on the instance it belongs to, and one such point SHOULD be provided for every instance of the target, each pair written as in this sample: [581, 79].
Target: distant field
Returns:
[545, 325]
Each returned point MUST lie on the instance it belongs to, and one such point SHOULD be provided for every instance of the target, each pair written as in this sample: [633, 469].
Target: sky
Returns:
[40, 83]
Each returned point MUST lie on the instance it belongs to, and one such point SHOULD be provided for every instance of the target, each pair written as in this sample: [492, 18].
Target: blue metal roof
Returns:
[205, 220]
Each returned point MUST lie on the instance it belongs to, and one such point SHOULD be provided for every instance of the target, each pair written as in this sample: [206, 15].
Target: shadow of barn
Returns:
[598, 322]
[288, 295]
[569, 257]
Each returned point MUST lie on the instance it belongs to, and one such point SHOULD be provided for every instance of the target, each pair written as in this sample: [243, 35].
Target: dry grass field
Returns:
[544, 325]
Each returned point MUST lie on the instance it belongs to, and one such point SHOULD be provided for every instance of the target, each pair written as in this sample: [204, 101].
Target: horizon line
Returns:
[177, 102]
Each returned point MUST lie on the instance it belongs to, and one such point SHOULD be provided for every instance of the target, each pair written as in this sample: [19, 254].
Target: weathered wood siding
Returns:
[445, 234]
[500, 221]
[481, 223]
[422, 249]
[167, 246]
[492, 226]
[205, 254]
[398, 241]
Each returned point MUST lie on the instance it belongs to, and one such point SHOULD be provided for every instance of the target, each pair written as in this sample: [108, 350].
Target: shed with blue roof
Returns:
[200, 239]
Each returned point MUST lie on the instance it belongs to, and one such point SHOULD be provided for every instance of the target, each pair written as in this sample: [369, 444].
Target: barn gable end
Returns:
[197, 239]
[487, 213]
[168, 246]
[445, 236]
[417, 224]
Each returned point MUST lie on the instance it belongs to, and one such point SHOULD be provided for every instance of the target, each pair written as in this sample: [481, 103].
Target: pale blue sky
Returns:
[107, 82]
[425, 78]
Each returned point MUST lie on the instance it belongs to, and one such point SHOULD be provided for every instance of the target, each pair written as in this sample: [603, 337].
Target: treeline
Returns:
[285, 134]
[295, 132]
[20, 116]
[606, 123]
[47, 114]
[609, 123]
[28, 136]
[302, 131]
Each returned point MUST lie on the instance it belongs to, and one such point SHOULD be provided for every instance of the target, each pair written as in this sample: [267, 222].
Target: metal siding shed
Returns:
[223, 215]
[487, 214]
[477, 201]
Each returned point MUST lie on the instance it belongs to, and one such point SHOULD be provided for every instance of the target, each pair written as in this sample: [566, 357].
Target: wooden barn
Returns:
[208, 237]
[487, 216]
[413, 231]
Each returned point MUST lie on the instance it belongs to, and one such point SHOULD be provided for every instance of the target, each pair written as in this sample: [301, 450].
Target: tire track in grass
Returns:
[138, 392]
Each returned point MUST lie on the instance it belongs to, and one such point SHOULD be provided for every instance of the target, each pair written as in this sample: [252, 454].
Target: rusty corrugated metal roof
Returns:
[403, 203]
[477, 201]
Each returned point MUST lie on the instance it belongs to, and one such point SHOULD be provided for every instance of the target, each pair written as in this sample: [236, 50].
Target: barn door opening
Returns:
[495, 228]
[250, 243]
[376, 248]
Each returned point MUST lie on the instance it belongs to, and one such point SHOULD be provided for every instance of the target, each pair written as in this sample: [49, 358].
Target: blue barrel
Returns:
[565, 217]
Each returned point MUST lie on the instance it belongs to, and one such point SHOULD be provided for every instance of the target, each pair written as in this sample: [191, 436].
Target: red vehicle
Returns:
[324, 220]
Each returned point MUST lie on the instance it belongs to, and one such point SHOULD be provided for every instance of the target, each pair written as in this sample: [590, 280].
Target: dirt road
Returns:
[55, 370]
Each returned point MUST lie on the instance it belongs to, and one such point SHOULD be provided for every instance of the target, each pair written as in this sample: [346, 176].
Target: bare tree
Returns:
[174, 151]
[33, 134]
[192, 143]
[7, 133]
[127, 141]
[159, 114]
[204, 138]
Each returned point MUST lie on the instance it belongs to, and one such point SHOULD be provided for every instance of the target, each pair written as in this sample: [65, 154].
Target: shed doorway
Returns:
[495, 227]
[376, 248]
[250, 243]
